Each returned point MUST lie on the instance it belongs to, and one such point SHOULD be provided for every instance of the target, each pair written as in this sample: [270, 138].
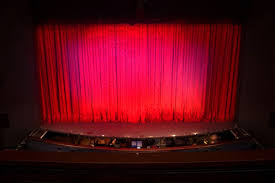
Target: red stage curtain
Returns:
[138, 73]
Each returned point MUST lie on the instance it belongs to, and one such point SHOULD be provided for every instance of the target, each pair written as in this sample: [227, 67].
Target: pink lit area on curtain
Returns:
[138, 73]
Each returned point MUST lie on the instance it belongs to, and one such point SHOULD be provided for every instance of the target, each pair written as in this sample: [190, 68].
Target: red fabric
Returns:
[138, 73]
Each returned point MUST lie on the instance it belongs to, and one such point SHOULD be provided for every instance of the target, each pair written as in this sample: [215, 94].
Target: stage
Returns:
[133, 95]
[139, 130]
[141, 137]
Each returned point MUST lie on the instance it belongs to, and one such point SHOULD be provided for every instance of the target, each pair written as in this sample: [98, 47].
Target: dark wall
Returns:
[199, 11]
[257, 89]
[18, 84]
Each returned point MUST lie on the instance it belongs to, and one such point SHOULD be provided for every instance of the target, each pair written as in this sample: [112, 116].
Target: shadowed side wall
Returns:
[257, 92]
[18, 85]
